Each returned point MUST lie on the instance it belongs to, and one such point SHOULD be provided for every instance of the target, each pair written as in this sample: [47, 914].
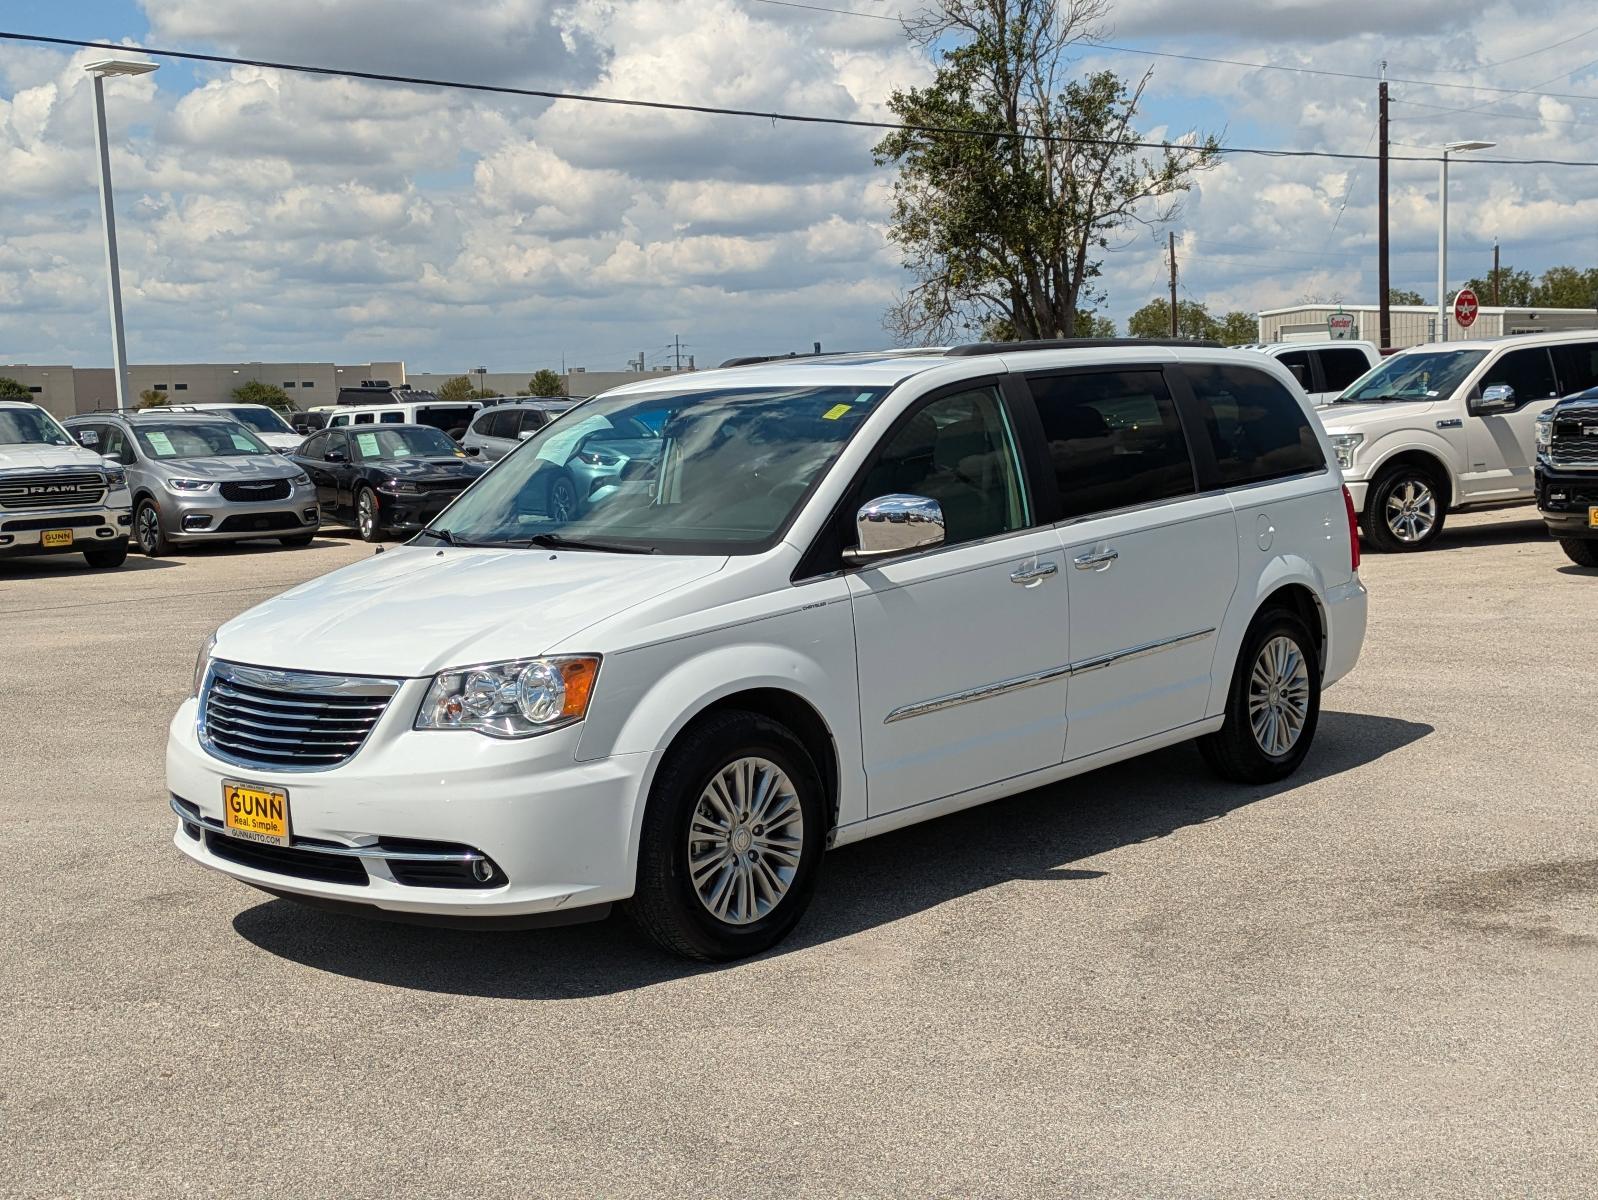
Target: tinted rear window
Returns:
[1256, 428]
[1341, 367]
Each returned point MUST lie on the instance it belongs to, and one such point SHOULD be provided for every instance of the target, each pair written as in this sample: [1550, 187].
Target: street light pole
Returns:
[119, 347]
[1442, 230]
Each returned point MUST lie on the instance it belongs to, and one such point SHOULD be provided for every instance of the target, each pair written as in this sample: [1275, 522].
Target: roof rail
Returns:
[973, 349]
[751, 360]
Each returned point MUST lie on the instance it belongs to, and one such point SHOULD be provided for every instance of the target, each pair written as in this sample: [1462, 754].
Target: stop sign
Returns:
[1465, 308]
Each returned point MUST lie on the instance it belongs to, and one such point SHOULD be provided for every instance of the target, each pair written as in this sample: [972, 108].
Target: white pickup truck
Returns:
[1323, 369]
[1447, 426]
[55, 496]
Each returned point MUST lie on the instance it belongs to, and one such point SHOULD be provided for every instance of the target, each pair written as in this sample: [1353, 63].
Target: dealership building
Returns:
[66, 390]
[1413, 324]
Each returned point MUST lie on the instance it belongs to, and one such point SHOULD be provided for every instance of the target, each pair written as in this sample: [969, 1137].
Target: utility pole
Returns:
[1384, 280]
[1495, 272]
[1173, 282]
[676, 342]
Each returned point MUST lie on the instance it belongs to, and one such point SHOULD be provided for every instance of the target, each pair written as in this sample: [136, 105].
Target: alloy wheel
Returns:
[149, 529]
[1411, 511]
[1278, 696]
[366, 514]
[562, 500]
[745, 840]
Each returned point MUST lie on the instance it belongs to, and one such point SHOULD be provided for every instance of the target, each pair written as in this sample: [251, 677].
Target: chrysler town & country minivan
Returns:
[837, 596]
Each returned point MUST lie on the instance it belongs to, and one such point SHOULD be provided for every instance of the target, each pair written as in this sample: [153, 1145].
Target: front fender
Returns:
[1409, 441]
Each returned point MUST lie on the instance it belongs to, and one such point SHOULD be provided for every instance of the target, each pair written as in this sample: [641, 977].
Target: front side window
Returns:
[704, 472]
[1577, 365]
[1530, 372]
[502, 423]
[314, 446]
[1114, 439]
[196, 439]
[30, 427]
[114, 444]
[1414, 375]
[1341, 367]
[1297, 361]
[1255, 426]
[959, 451]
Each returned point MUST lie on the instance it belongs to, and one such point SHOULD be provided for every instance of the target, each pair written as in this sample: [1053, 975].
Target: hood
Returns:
[1358, 418]
[255, 466]
[418, 610]
[431, 470]
[36, 456]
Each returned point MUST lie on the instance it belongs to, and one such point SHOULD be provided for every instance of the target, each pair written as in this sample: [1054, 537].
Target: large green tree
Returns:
[1514, 287]
[10, 389]
[1015, 179]
[1567, 287]
[1237, 328]
[456, 390]
[253, 391]
[1403, 296]
[544, 383]
[1193, 320]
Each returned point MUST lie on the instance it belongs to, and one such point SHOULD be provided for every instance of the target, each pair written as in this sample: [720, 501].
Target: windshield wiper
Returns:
[445, 536]
[559, 541]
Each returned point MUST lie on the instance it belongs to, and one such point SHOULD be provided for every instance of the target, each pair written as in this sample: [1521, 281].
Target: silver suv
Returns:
[55, 498]
[500, 428]
[199, 478]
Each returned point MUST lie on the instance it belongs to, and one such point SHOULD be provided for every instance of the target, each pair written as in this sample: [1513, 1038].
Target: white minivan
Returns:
[839, 596]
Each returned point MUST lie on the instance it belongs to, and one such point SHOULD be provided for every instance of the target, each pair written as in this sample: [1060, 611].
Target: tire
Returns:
[104, 557]
[147, 529]
[736, 910]
[298, 540]
[1404, 510]
[368, 515]
[1581, 551]
[1237, 751]
[562, 497]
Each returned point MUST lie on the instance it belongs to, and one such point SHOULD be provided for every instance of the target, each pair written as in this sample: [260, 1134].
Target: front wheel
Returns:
[1581, 551]
[1405, 510]
[732, 839]
[108, 556]
[562, 497]
[1273, 705]
[147, 528]
[368, 516]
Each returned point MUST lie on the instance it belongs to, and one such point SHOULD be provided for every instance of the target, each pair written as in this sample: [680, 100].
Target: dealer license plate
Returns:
[1592, 517]
[257, 814]
[51, 538]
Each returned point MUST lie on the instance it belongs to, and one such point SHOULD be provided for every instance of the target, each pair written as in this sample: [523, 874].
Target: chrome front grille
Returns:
[288, 720]
[57, 489]
[1571, 444]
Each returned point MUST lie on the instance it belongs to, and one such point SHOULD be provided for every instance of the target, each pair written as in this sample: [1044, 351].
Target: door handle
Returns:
[1033, 574]
[1095, 562]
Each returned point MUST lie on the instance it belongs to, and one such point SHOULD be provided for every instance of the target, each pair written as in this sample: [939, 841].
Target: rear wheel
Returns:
[1405, 509]
[1273, 705]
[732, 839]
[1581, 551]
[147, 529]
[368, 515]
[108, 556]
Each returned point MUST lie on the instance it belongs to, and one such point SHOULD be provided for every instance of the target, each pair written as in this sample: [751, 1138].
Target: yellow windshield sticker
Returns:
[836, 411]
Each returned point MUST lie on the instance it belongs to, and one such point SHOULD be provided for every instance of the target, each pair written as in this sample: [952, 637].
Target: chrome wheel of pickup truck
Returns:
[1405, 508]
[1411, 511]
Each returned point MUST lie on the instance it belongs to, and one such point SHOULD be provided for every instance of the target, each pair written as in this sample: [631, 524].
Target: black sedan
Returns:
[385, 479]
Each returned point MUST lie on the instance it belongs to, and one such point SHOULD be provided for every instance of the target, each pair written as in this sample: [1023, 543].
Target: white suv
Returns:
[1446, 426]
[840, 596]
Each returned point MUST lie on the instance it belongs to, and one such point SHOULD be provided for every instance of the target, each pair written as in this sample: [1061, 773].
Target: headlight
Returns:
[1545, 432]
[185, 486]
[1344, 445]
[115, 477]
[201, 663]
[300, 480]
[396, 487]
[511, 699]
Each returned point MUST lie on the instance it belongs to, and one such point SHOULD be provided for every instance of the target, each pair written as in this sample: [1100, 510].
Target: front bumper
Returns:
[1564, 498]
[412, 510]
[208, 517]
[96, 528]
[561, 834]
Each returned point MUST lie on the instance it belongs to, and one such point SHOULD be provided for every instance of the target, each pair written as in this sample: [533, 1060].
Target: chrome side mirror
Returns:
[895, 524]
[1499, 397]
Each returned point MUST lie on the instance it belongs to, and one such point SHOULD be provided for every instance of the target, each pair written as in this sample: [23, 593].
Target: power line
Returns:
[1504, 62]
[842, 12]
[773, 116]
[1443, 108]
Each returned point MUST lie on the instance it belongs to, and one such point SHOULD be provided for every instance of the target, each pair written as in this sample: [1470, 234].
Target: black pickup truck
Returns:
[1567, 475]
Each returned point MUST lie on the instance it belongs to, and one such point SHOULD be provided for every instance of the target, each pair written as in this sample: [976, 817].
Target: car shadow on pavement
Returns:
[1506, 533]
[55, 566]
[1036, 835]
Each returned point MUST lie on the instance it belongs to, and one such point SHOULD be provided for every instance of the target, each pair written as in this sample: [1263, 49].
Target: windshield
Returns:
[197, 439]
[379, 444]
[714, 472]
[30, 427]
[262, 420]
[1420, 375]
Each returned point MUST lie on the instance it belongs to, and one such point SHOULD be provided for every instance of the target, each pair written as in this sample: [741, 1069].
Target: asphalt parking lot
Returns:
[1374, 980]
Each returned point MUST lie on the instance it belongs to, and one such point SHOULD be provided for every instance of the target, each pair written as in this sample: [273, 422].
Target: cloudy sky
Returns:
[281, 217]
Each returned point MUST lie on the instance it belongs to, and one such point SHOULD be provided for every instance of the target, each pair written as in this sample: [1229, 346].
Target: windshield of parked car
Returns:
[30, 427]
[197, 439]
[262, 420]
[704, 472]
[378, 445]
[1420, 375]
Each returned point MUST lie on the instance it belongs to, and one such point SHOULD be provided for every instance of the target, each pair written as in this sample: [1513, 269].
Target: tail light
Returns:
[1353, 530]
